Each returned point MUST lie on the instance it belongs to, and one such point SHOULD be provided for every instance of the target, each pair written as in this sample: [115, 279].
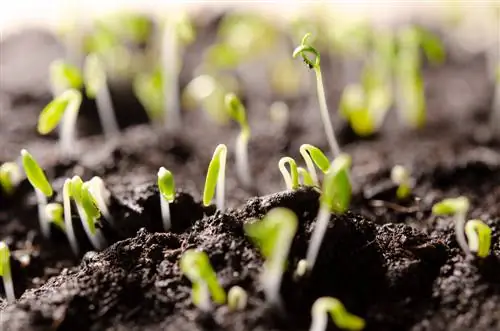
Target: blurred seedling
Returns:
[166, 186]
[54, 213]
[10, 177]
[402, 177]
[37, 178]
[5, 272]
[479, 237]
[344, 320]
[313, 156]
[237, 298]
[273, 235]
[458, 208]
[216, 177]
[195, 265]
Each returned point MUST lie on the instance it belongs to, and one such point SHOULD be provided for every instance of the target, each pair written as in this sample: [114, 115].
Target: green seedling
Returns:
[273, 235]
[216, 177]
[401, 177]
[5, 272]
[96, 87]
[344, 320]
[279, 112]
[88, 211]
[68, 221]
[195, 265]
[479, 237]
[37, 178]
[64, 76]
[166, 186]
[10, 177]
[237, 298]
[101, 197]
[54, 214]
[237, 112]
[64, 107]
[335, 198]
[177, 32]
[313, 156]
[291, 178]
[457, 207]
[303, 51]
[148, 88]
[305, 177]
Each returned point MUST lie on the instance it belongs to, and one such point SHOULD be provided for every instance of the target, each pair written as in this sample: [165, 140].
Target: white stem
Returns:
[319, 321]
[460, 233]
[165, 213]
[242, 166]
[97, 239]
[325, 116]
[8, 285]
[171, 67]
[42, 217]
[103, 207]
[310, 167]
[205, 302]
[68, 221]
[106, 111]
[67, 133]
[221, 179]
[317, 236]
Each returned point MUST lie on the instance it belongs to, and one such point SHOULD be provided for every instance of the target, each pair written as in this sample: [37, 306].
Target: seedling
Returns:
[5, 272]
[10, 177]
[335, 198]
[216, 176]
[273, 235]
[96, 87]
[457, 207]
[401, 177]
[88, 211]
[237, 298]
[64, 76]
[314, 156]
[305, 177]
[166, 185]
[43, 189]
[237, 112]
[148, 88]
[325, 306]
[68, 222]
[479, 237]
[303, 50]
[291, 178]
[54, 214]
[195, 265]
[65, 105]
[101, 197]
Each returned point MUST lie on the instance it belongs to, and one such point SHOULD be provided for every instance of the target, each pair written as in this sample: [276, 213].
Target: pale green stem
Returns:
[8, 284]
[68, 220]
[165, 213]
[68, 132]
[221, 180]
[42, 217]
[317, 236]
[106, 111]
[242, 166]
[97, 239]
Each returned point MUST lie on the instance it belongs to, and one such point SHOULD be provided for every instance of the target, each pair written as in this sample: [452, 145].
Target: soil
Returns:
[391, 262]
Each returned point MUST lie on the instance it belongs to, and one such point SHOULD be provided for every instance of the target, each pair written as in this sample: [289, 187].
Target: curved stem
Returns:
[460, 234]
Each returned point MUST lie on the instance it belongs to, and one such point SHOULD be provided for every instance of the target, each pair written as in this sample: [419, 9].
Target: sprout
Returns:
[291, 178]
[457, 207]
[305, 177]
[237, 298]
[54, 214]
[68, 222]
[273, 235]
[335, 198]
[178, 30]
[64, 76]
[401, 177]
[101, 196]
[279, 113]
[5, 272]
[302, 50]
[314, 156]
[88, 211]
[42, 187]
[196, 266]
[65, 105]
[340, 316]
[301, 268]
[479, 236]
[96, 87]
[166, 185]
[148, 88]
[237, 112]
[216, 176]
[10, 177]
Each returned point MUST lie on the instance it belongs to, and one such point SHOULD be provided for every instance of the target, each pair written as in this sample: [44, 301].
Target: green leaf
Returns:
[432, 46]
[64, 75]
[75, 189]
[223, 56]
[479, 237]
[166, 184]
[88, 204]
[336, 192]
[213, 173]
[279, 224]
[54, 213]
[36, 176]
[307, 180]
[4, 260]
[51, 115]
[235, 109]
[94, 75]
[195, 265]
[316, 155]
[451, 206]
[148, 87]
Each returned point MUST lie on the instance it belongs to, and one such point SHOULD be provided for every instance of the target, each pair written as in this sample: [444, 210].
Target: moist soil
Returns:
[389, 261]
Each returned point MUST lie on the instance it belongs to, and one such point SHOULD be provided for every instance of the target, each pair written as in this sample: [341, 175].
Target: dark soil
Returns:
[391, 262]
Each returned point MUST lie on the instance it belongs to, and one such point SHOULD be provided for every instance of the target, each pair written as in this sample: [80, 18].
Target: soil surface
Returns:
[389, 261]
